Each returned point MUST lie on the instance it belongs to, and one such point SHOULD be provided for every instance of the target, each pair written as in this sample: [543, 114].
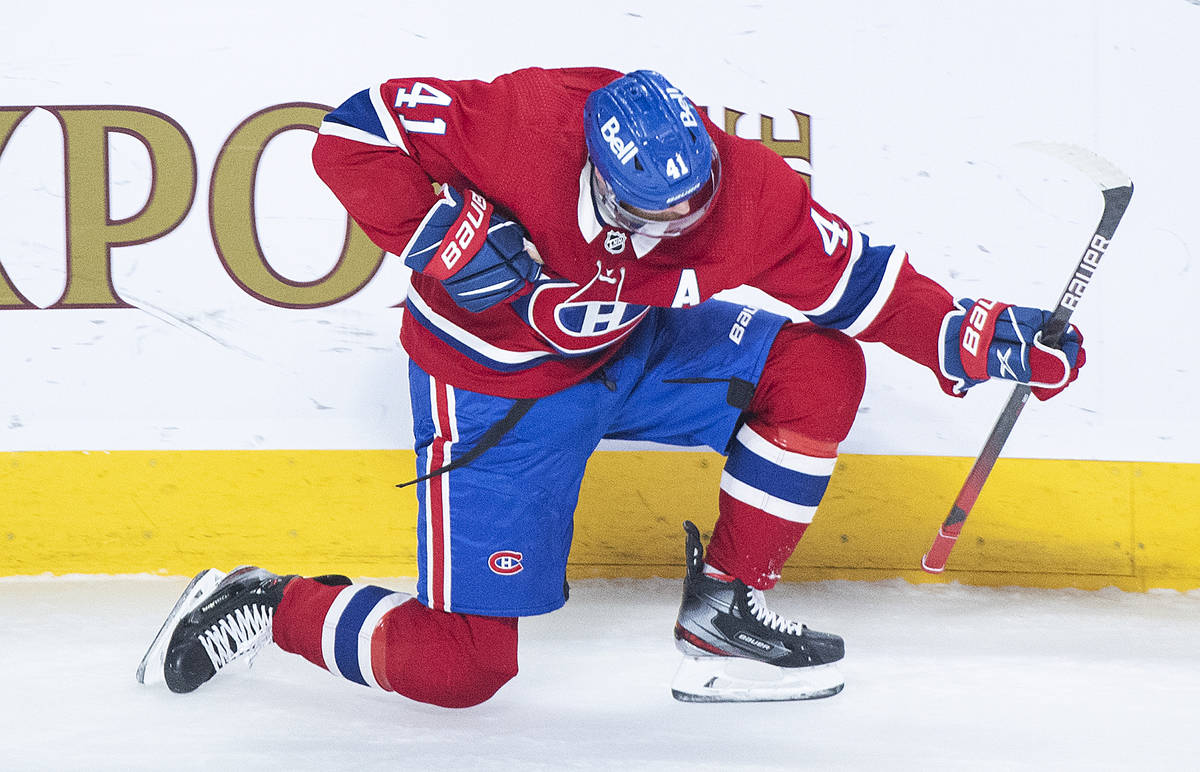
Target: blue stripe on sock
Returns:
[780, 482]
[345, 641]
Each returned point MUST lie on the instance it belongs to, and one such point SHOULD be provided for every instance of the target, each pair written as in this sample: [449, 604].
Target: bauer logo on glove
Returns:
[481, 258]
[984, 339]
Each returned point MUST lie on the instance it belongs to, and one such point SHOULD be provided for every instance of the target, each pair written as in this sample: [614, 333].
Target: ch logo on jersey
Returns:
[506, 562]
[614, 242]
[580, 320]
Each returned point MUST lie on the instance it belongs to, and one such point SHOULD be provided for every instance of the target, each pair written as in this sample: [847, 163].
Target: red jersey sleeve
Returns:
[834, 275]
[381, 150]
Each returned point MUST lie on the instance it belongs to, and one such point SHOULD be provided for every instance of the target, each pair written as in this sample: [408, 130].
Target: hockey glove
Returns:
[481, 258]
[982, 339]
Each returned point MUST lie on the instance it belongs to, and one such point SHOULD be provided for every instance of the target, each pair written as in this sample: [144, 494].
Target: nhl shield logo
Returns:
[614, 242]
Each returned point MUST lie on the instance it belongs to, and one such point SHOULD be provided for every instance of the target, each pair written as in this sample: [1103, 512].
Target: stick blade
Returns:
[1100, 170]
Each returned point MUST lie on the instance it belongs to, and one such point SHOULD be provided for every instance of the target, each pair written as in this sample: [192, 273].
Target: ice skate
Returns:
[736, 650]
[218, 619]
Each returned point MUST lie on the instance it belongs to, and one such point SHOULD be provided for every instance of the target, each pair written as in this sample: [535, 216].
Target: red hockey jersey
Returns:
[518, 140]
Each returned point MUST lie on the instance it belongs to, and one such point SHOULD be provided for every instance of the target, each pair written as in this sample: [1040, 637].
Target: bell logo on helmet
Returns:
[641, 117]
[686, 116]
[624, 151]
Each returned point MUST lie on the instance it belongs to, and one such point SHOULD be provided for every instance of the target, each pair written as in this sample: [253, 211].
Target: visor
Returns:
[662, 224]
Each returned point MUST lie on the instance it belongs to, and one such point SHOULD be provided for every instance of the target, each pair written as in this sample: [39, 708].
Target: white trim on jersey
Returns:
[879, 296]
[387, 119]
[591, 226]
[471, 341]
[335, 129]
[585, 210]
[843, 282]
[882, 293]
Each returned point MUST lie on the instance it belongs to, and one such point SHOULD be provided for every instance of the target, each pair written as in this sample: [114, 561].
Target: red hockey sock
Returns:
[447, 659]
[297, 624]
[769, 495]
[385, 639]
[781, 459]
[750, 544]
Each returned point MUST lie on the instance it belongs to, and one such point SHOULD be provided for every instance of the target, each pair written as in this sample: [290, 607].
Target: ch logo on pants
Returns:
[506, 562]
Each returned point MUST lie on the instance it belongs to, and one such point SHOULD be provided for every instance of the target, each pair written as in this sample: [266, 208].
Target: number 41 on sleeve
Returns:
[422, 94]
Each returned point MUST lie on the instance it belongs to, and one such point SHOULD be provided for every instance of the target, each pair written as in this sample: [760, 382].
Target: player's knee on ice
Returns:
[447, 659]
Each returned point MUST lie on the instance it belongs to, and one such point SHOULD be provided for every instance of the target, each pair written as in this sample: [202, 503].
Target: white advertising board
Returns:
[915, 110]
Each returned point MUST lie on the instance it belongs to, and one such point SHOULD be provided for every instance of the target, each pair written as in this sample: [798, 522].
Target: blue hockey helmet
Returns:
[655, 169]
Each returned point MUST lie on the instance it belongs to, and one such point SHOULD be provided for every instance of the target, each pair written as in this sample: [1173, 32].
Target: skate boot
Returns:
[736, 650]
[218, 619]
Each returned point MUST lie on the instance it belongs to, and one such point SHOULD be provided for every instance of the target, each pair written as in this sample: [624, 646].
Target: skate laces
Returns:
[757, 605]
[243, 631]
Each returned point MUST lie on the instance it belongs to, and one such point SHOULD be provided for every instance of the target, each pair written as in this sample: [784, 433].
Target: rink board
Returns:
[1041, 523]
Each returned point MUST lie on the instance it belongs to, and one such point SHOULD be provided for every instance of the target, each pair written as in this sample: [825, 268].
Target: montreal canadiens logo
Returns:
[579, 320]
[506, 562]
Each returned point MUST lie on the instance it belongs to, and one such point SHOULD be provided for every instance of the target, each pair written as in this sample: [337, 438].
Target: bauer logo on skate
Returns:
[752, 641]
[506, 562]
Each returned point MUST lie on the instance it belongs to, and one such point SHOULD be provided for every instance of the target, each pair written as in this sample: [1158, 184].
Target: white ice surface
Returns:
[941, 677]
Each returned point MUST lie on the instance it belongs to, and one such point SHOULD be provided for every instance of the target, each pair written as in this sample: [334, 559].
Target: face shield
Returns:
[673, 221]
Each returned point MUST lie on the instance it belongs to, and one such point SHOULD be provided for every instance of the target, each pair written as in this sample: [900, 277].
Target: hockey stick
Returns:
[1117, 189]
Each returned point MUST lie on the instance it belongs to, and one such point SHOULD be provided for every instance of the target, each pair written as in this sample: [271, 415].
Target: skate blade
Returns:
[733, 679]
[150, 669]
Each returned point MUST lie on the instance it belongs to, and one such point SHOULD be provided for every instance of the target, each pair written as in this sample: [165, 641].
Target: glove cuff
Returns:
[465, 236]
[452, 232]
[954, 381]
[975, 336]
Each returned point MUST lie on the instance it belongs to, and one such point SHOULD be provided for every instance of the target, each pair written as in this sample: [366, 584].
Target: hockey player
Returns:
[564, 267]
